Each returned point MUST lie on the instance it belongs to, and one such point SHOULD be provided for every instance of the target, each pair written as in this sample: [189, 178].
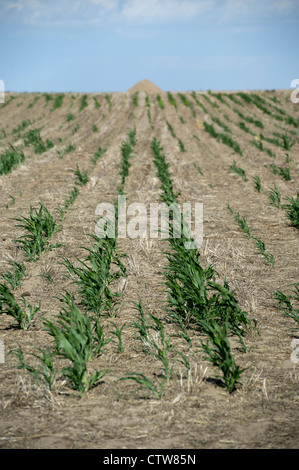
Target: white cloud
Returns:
[256, 8]
[147, 11]
[128, 13]
[109, 5]
[21, 5]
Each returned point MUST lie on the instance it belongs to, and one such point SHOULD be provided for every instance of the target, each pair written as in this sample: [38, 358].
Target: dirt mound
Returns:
[145, 85]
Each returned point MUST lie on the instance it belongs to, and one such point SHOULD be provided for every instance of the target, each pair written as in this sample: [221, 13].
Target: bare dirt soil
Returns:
[194, 412]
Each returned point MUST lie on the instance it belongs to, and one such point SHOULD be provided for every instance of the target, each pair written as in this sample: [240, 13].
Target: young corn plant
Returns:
[96, 102]
[94, 277]
[181, 146]
[172, 100]
[98, 154]
[132, 138]
[274, 197]
[127, 153]
[283, 172]
[218, 351]
[10, 306]
[160, 102]
[81, 178]
[78, 339]
[10, 159]
[238, 170]
[221, 124]
[33, 138]
[224, 138]
[157, 345]
[292, 210]
[21, 127]
[83, 103]
[198, 168]
[193, 293]
[45, 372]
[38, 227]
[15, 276]
[193, 94]
[30, 105]
[257, 184]
[62, 153]
[48, 98]
[108, 99]
[289, 303]
[135, 99]
[262, 247]
[171, 130]
[69, 201]
[117, 332]
[57, 102]
[242, 222]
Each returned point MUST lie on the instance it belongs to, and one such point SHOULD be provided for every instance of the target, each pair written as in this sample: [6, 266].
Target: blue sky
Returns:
[180, 45]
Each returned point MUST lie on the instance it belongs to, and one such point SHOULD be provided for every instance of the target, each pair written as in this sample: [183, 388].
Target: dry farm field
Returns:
[142, 342]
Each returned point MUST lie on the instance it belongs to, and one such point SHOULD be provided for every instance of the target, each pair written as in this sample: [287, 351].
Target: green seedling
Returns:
[47, 275]
[257, 184]
[222, 124]
[98, 154]
[132, 138]
[242, 222]
[78, 339]
[45, 373]
[181, 145]
[10, 159]
[83, 103]
[15, 276]
[76, 128]
[224, 138]
[135, 99]
[160, 102]
[292, 210]
[33, 137]
[218, 351]
[48, 98]
[262, 247]
[81, 178]
[21, 127]
[108, 99]
[289, 303]
[238, 170]
[57, 102]
[94, 277]
[171, 130]
[274, 197]
[74, 193]
[10, 306]
[38, 227]
[172, 100]
[30, 105]
[118, 333]
[198, 168]
[96, 102]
